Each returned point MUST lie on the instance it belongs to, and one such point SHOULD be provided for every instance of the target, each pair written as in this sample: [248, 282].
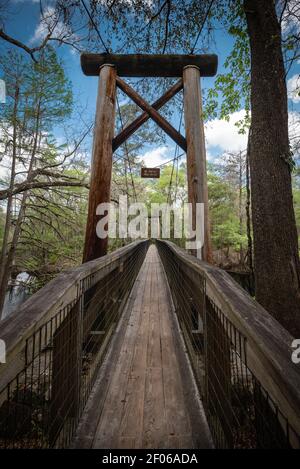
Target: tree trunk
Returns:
[9, 255]
[276, 259]
[8, 218]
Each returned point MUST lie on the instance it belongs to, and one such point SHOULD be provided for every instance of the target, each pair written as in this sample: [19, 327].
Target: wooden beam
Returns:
[161, 121]
[101, 160]
[150, 65]
[196, 154]
[140, 120]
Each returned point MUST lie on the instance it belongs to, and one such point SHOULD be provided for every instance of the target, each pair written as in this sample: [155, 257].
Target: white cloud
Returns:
[293, 88]
[49, 21]
[220, 136]
[157, 156]
[290, 21]
[224, 135]
[294, 132]
[209, 156]
[294, 121]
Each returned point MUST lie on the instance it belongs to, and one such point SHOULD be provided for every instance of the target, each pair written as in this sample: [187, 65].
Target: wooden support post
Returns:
[101, 167]
[196, 155]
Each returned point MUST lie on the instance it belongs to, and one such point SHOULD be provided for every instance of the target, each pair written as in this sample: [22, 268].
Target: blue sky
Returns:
[221, 136]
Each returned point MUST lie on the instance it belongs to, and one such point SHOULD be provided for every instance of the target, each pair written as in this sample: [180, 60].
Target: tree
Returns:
[225, 213]
[277, 269]
[57, 25]
[234, 170]
[254, 26]
[52, 232]
[39, 96]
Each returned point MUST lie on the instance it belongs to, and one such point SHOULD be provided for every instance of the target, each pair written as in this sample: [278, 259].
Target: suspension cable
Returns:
[202, 26]
[95, 26]
[126, 151]
[170, 161]
[174, 159]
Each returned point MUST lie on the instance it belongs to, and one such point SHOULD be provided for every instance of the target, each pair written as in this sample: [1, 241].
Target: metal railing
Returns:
[240, 355]
[55, 344]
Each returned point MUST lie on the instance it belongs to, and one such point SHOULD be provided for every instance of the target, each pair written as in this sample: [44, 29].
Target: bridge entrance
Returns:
[110, 68]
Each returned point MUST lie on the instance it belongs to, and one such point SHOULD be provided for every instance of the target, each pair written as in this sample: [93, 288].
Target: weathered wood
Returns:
[149, 65]
[196, 155]
[144, 399]
[46, 303]
[140, 120]
[161, 121]
[268, 345]
[101, 169]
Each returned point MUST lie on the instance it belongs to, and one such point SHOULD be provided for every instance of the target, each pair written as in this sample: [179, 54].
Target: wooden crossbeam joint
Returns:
[141, 119]
[160, 121]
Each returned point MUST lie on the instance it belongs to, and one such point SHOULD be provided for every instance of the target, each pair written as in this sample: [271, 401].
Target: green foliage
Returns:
[49, 86]
[170, 186]
[225, 228]
[45, 93]
[296, 198]
[232, 89]
[51, 229]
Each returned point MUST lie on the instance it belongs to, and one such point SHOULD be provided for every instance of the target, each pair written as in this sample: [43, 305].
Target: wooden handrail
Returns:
[45, 303]
[268, 345]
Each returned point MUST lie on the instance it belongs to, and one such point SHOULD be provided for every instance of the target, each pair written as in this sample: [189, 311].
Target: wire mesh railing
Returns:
[248, 383]
[59, 353]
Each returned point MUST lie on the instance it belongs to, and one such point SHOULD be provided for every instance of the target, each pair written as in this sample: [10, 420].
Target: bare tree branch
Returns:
[24, 186]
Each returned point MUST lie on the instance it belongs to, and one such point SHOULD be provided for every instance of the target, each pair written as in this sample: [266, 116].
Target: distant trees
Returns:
[265, 45]
[227, 219]
[38, 97]
[234, 170]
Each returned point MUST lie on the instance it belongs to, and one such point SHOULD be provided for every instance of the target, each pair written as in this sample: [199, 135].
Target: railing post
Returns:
[196, 155]
[101, 167]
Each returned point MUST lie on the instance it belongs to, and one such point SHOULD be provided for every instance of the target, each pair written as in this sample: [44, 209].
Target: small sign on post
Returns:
[150, 172]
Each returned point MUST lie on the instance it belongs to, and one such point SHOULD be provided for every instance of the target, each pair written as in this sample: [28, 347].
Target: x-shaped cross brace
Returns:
[149, 111]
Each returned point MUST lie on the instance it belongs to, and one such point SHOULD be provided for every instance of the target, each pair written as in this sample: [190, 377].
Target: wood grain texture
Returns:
[145, 402]
[149, 65]
[196, 154]
[161, 121]
[268, 345]
[47, 302]
[101, 169]
[140, 120]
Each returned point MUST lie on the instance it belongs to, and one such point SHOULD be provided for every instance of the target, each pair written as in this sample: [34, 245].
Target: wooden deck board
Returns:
[145, 405]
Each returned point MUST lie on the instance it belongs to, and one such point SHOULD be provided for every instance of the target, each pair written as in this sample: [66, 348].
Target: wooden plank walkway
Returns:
[145, 396]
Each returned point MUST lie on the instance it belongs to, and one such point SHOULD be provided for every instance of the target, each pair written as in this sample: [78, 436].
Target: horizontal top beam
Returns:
[149, 65]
